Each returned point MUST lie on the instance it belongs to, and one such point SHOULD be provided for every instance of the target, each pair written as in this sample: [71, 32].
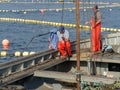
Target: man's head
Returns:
[95, 8]
[61, 29]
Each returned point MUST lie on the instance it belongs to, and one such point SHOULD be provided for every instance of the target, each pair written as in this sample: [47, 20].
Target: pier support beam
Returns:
[71, 77]
[56, 75]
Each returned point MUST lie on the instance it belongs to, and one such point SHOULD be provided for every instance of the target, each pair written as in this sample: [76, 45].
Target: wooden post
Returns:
[78, 44]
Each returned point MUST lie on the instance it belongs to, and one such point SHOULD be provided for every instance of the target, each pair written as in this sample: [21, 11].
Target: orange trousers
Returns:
[64, 48]
[96, 30]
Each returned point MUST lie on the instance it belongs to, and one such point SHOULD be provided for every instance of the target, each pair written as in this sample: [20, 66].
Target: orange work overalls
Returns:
[96, 30]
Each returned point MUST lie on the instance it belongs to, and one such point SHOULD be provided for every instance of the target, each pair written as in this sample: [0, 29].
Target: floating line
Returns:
[70, 9]
[16, 54]
[59, 2]
[55, 24]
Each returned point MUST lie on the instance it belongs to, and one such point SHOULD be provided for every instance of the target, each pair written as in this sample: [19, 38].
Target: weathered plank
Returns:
[71, 77]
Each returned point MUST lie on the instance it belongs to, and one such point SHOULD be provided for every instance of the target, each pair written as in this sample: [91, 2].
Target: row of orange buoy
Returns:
[16, 54]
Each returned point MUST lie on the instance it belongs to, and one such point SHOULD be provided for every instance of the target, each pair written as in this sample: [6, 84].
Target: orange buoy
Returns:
[5, 44]
[42, 11]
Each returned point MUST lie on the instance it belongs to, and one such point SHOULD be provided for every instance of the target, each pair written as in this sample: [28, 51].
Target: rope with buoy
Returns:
[84, 27]
[43, 10]
[52, 2]
[6, 45]
[16, 54]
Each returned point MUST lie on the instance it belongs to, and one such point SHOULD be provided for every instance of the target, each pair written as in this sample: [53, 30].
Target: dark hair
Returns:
[96, 7]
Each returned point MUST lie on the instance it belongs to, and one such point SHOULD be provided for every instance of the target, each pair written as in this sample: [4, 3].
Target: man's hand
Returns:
[63, 38]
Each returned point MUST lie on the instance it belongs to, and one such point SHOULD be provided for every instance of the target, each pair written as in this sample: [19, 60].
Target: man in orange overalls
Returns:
[96, 29]
[64, 45]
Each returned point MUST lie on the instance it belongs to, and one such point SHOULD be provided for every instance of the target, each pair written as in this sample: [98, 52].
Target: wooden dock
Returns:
[71, 77]
[95, 65]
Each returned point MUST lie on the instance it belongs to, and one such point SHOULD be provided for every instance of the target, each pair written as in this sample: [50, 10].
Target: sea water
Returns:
[20, 34]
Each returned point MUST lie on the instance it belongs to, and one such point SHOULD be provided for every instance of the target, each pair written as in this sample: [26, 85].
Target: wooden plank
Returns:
[56, 75]
[87, 56]
[71, 77]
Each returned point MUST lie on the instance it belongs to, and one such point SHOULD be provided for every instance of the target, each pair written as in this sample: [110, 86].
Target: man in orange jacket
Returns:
[96, 29]
[64, 45]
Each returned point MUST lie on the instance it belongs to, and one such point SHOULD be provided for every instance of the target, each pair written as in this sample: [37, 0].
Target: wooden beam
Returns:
[71, 77]
[56, 75]
[105, 59]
